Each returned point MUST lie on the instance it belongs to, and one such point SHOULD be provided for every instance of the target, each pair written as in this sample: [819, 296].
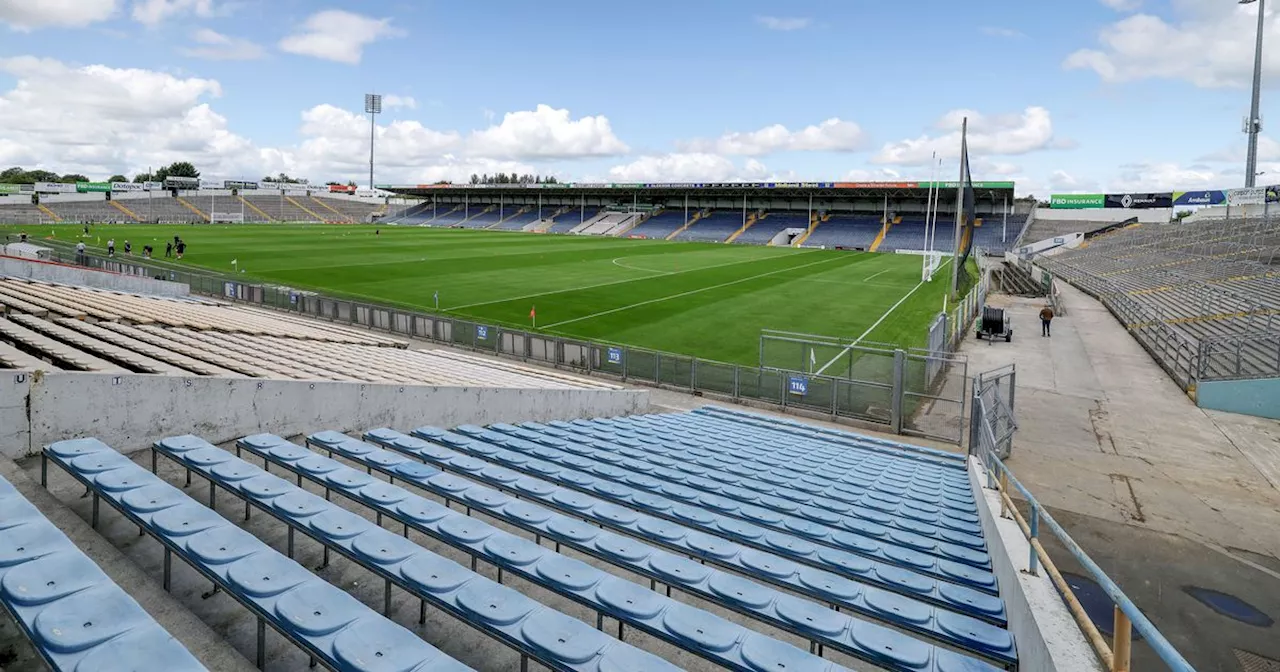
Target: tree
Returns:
[72, 178]
[117, 178]
[351, 183]
[181, 169]
[144, 177]
[282, 178]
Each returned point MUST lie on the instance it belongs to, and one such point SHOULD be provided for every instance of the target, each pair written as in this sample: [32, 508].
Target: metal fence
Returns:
[910, 392]
[991, 434]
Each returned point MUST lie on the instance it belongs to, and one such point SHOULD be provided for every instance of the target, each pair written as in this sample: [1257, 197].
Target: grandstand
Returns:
[1209, 291]
[190, 206]
[714, 227]
[850, 232]
[660, 225]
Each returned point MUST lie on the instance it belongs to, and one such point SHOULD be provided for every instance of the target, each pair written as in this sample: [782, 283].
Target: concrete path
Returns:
[1154, 488]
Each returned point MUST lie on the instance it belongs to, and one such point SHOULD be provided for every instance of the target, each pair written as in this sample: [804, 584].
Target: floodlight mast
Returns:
[1253, 125]
[372, 107]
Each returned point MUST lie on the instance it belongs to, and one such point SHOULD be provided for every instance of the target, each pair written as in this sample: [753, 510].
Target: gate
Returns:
[992, 423]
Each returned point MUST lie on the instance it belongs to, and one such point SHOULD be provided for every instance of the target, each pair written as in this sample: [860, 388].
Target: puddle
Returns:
[1230, 606]
[1097, 604]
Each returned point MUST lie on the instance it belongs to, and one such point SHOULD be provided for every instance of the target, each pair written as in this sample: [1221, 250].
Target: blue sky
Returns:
[1108, 95]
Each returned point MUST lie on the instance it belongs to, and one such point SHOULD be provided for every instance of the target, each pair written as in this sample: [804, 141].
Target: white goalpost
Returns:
[931, 260]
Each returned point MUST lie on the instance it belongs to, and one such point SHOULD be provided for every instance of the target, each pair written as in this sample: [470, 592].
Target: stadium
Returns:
[609, 426]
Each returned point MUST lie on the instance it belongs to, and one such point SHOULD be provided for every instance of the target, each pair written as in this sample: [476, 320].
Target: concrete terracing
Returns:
[1162, 494]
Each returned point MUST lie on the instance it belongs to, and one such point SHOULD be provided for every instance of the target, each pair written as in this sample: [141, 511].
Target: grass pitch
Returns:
[708, 300]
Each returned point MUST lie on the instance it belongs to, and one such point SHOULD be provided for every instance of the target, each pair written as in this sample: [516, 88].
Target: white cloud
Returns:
[783, 23]
[687, 167]
[336, 35]
[1123, 5]
[455, 169]
[99, 120]
[155, 12]
[1166, 176]
[832, 135]
[996, 31]
[392, 101]
[1209, 44]
[1006, 134]
[215, 46]
[546, 132]
[27, 15]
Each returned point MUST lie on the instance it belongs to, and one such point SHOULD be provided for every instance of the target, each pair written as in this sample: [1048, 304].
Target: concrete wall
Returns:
[1260, 397]
[71, 275]
[1047, 636]
[129, 412]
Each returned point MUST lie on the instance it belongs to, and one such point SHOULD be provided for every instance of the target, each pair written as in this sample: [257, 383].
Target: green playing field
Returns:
[704, 299]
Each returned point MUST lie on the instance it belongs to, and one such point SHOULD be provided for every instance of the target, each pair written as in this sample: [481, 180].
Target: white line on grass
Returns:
[606, 284]
[873, 327]
[636, 268]
[692, 291]
[873, 276]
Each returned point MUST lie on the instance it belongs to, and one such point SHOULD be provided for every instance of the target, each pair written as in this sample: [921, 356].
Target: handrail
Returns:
[1126, 614]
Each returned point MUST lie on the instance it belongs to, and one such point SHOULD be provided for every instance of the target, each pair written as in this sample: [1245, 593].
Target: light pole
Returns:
[372, 107]
[1253, 124]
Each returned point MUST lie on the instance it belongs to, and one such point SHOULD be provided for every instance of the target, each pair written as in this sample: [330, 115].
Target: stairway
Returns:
[255, 208]
[193, 208]
[751, 220]
[673, 234]
[1014, 280]
[813, 225]
[120, 206]
[52, 215]
[342, 219]
[884, 231]
[305, 209]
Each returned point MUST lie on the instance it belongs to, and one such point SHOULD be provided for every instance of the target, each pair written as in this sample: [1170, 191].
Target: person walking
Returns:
[168, 250]
[111, 247]
[1046, 316]
[80, 253]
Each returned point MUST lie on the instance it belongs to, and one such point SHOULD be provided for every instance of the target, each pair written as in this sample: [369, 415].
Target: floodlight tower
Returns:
[1253, 125]
[372, 107]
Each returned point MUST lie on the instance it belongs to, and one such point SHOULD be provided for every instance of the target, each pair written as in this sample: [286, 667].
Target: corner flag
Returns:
[533, 315]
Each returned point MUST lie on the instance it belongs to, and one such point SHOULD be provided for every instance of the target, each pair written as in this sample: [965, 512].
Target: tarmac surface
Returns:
[1177, 504]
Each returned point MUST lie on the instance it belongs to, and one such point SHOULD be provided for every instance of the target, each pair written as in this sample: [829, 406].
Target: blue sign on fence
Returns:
[482, 332]
[615, 355]
[293, 298]
[798, 385]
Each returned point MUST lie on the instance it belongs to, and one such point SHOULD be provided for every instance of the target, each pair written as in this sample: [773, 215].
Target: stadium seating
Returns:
[12, 212]
[88, 211]
[516, 220]
[482, 219]
[1208, 288]
[605, 546]
[997, 236]
[75, 616]
[415, 214]
[568, 221]
[355, 211]
[765, 229]
[658, 226]
[713, 228]
[330, 625]
[845, 231]
[168, 336]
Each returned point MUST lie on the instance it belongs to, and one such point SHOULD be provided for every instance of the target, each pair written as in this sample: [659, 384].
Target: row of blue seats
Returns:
[782, 454]
[765, 604]
[713, 228]
[536, 631]
[955, 564]
[904, 461]
[723, 474]
[675, 525]
[76, 617]
[515, 222]
[660, 225]
[844, 231]
[779, 456]
[764, 230]
[900, 449]
[325, 621]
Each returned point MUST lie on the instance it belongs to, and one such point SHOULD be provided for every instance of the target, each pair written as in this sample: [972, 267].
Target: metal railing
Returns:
[991, 434]
[894, 396]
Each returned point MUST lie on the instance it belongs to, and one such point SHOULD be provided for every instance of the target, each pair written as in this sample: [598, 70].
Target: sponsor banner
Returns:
[294, 192]
[1196, 198]
[1077, 201]
[10, 188]
[55, 188]
[94, 187]
[876, 185]
[341, 189]
[127, 186]
[239, 184]
[1246, 196]
[955, 185]
[174, 182]
[1139, 201]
